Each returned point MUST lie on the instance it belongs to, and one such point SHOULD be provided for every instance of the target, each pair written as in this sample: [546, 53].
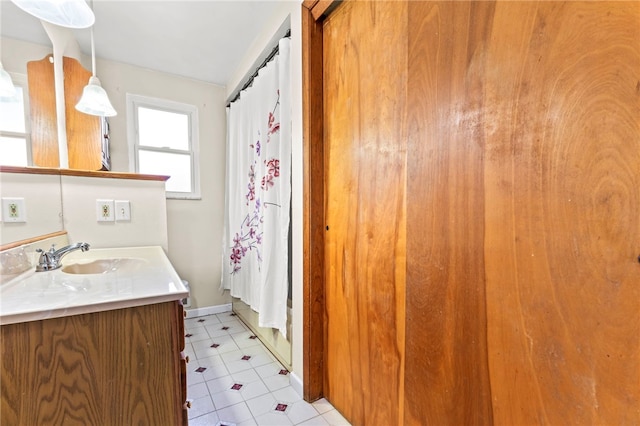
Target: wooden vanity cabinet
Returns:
[118, 367]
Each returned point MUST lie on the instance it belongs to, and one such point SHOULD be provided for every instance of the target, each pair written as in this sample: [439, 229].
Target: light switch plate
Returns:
[123, 210]
[104, 211]
[14, 210]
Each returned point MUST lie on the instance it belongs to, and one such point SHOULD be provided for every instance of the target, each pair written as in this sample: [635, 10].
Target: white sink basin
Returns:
[92, 281]
[105, 266]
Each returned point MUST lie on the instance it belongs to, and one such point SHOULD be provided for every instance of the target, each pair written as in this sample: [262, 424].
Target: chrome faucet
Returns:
[50, 260]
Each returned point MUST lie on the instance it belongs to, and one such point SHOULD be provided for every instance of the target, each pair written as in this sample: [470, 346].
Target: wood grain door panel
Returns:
[446, 375]
[481, 184]
[562, 172]
[42, 107]
[365, 157]
[84, 131]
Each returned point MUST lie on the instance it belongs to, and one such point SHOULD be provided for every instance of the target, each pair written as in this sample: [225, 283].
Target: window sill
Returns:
[184, 197]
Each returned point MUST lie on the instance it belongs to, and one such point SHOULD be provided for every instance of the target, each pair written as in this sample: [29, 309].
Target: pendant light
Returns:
[94, 100]
[7, 89]
[66, 13]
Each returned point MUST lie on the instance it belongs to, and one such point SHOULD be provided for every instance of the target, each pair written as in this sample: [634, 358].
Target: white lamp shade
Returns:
[94, 100]
[7, 89]
[66, 13]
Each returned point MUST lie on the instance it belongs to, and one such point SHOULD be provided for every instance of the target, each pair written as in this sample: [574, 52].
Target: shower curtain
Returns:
[258, 193]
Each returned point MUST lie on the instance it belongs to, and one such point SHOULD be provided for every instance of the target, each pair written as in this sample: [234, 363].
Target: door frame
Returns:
[313, 14]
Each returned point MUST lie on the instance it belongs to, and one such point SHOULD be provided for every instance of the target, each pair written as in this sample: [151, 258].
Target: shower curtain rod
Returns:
[249, 82]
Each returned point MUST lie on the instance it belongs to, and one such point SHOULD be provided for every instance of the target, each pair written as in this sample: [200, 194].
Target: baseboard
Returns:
[207, 310]
[296, 383]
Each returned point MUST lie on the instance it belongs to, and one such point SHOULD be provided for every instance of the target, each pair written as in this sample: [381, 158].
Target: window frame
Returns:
[136, 101]
[22, 81]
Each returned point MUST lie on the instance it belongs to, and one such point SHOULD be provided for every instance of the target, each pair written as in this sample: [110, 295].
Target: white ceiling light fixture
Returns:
[7, 89]
[94, 100]
[66, 13]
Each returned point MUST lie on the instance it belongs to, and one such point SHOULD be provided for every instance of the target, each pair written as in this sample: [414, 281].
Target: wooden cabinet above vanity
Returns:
[86, 135]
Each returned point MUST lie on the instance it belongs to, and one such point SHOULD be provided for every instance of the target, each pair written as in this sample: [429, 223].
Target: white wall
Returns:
[286, 10]
[194, 226]
[16, 54]
[148, 224]
[57, 202]
[41, 195]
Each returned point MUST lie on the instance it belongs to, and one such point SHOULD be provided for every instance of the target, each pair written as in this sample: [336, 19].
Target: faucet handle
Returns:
[51, 250]
[45, 260]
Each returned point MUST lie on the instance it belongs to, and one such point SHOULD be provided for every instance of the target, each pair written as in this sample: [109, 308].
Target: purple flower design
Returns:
[251, 195]
[249, 238]
[273, 126]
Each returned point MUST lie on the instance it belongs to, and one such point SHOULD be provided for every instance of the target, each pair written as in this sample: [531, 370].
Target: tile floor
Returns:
[234, 380]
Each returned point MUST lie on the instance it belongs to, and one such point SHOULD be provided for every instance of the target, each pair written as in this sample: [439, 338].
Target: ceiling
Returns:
[201, 39]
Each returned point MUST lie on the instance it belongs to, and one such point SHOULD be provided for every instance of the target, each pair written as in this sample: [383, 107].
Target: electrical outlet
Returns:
[14, 210]
[123, 210]
[104, 211]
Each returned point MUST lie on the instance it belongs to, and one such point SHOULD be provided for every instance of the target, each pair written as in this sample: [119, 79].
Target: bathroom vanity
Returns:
[99, 341]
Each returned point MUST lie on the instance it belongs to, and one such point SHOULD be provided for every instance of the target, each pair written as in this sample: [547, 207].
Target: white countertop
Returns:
[145, 277]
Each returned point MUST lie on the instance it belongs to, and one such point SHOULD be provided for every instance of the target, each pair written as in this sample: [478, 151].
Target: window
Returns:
[163, 140]
[15, 143]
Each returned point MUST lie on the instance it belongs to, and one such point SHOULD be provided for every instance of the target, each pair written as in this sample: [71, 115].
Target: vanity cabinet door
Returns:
[184, 360]
[117, 367]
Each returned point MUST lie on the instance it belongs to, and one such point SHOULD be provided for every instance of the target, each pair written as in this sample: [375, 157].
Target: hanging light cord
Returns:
[93, 55]
[93, 47]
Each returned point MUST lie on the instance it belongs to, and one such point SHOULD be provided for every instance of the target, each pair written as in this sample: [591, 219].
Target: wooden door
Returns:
[561, 126]
[447, 378]
[42, 105]
[523, 283]
[365, 155]
[482, 175]
[84, 132]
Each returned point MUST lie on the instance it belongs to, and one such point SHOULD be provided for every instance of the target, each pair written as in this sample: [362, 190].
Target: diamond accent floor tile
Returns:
[281, 407]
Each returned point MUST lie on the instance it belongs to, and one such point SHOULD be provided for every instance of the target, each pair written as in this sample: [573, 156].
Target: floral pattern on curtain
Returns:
[258, 193]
